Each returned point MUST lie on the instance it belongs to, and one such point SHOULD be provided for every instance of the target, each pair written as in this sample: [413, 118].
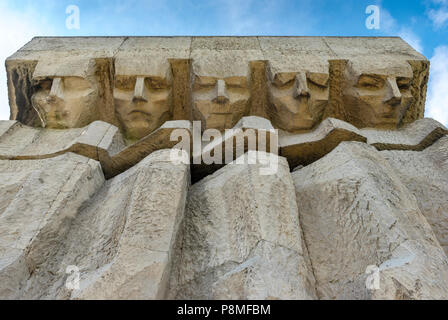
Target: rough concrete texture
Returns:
[425, 174]
[118, 233]
[21, 142]
[416, 136]
[355, 212]
[241, 237]
[296, 82]
[347, 199]
[99, 141]
[150, 217]
[40, 200]
[250, 133]
[303, 149]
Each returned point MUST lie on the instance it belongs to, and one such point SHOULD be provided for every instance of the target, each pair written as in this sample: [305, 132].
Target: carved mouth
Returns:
[139, 112]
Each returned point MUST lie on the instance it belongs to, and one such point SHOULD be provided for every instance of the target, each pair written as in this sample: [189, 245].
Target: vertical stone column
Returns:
[182, 86]
[140, 266]
[241, 237]
[259, 89]
[366, 236]
[40, 199]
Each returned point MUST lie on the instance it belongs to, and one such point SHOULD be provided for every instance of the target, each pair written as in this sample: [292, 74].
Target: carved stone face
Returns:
[298, 99]
[66, 102]
[378, 99]
[142, 104]
[220, 103]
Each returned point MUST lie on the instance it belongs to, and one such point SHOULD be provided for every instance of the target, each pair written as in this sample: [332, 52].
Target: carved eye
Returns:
[319, 79]
[236, 82]
[370, 82]
[43, 84]
[156, 83]
[75, 83]
[201, 82]
[284, 79]
[125, 83]
[403, 83]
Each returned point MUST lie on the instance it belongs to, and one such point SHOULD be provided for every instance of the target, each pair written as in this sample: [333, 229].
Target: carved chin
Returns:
[138, 129]
[301, 119]
[383, 114]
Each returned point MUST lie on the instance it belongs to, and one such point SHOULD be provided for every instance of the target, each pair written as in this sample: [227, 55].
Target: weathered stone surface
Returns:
[90, 181]
[355, 213]
[133, 154]
[296, 82]
[377, 82]
[39, 200]
[425, 174]
[21, 142]
[415, 136]
[303, 149]
[145, 93]
[224, 63]
[120, 238]
[250, 133]
[154, 211]
[99, 141]
[241, 237]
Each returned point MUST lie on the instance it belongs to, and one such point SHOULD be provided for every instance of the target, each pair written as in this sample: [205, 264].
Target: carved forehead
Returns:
[223, 64]
[382, 65]
[150, 56]
[93, 46]
[144, 65]
[292, 55]
[224, 57]
[359, 47]
[382, 56]
[64, 67]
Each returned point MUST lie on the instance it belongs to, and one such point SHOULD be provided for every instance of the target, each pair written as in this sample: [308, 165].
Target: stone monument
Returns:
[221, 168]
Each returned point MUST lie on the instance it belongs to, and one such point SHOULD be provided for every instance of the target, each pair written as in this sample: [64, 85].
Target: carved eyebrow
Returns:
[371, 80]
[126, 83]
[43, 83]
[79, 83]
[156, 83]
[284, 78]
[403, 81]
[236, 82]
[320, 79]
[204, 82]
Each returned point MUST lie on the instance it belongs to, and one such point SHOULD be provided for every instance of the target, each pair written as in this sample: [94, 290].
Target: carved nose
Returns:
[301, 86]
[393, 96]
[139, 91]
[221, 92]
[56, 89]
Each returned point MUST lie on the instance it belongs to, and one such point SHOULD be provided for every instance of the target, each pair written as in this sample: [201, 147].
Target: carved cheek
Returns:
[204, 94]
[373, 98]
[319, 96]
[237, 95]
[286, 104]
[40, 99]
[123, 102]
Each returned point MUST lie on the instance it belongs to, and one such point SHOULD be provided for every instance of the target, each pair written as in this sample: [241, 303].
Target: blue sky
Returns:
[423, 23]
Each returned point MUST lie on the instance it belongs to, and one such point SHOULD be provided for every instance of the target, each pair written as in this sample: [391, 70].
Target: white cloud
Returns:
[17, 29]
[437, 101]
[439, 16]
[410, 37]
[388, 23]
[391, 27]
